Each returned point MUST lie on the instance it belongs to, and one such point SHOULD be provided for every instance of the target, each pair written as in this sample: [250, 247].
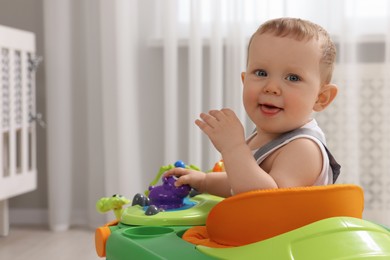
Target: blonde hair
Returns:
[299, 29]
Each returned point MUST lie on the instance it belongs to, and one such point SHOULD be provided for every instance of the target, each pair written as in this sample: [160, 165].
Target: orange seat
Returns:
[257, 215]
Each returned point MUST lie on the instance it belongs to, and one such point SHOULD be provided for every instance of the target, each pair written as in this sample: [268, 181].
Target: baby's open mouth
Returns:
[270, 109]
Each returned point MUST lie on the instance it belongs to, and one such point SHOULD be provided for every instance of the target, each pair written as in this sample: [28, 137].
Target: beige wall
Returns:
[28, 15]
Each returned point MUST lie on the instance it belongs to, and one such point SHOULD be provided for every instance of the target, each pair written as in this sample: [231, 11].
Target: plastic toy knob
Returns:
[219, 166]
[140, 199]
[152, 210]
[101, 236]
[180, 164]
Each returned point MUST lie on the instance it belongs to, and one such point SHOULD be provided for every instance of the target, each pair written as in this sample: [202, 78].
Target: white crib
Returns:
[18, 173]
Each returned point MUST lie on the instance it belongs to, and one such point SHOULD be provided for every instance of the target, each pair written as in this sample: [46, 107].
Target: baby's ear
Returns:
[326, 95]
[243, 77]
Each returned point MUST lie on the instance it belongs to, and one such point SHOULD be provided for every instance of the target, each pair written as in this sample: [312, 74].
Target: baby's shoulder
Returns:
[298, 151]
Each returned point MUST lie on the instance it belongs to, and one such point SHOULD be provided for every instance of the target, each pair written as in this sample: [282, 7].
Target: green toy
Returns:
[168, 167]
[135, 235]
[328, 239]
[114, 203]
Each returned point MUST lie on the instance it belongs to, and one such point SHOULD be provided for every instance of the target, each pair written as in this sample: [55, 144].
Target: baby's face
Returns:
[282, 82]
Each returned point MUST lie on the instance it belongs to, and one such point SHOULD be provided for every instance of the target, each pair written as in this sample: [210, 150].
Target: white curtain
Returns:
[126, 79]
[92, 111]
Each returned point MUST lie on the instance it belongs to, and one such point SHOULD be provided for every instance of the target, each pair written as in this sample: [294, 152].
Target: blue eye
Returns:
[261, 73]
[293, 77]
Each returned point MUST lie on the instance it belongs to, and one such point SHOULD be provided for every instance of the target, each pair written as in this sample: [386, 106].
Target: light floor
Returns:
[33, 243]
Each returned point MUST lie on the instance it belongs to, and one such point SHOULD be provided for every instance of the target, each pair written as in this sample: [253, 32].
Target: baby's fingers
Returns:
[218, 114]
[209, 119]
[176, 172]
[202, 125]
[184, 179]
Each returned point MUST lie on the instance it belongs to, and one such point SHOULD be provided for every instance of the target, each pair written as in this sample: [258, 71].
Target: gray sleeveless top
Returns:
[300, 131]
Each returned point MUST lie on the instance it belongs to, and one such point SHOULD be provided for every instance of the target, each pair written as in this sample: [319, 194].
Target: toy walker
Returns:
[304, 223]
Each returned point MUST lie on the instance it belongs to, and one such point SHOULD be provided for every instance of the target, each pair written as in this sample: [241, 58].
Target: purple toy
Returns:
[167, 195]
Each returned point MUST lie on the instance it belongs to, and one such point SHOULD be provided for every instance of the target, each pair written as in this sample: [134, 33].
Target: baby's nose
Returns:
[272, 88]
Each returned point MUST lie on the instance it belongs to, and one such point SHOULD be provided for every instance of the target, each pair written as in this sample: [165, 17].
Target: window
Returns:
[338, 17]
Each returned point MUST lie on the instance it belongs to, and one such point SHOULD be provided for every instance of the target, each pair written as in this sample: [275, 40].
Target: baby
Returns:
[287, 78]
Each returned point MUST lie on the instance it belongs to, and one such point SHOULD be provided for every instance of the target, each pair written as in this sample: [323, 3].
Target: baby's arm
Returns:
[227, 135]
[295, 164]
[215, 183]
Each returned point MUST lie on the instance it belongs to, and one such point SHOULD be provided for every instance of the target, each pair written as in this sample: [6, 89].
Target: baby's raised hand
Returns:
[223, 128]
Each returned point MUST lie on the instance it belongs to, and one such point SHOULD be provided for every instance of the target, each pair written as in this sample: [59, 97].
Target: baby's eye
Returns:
[293, 77]
[261, 73]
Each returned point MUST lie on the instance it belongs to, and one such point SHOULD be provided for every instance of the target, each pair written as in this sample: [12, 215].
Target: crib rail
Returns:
[18, 172]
